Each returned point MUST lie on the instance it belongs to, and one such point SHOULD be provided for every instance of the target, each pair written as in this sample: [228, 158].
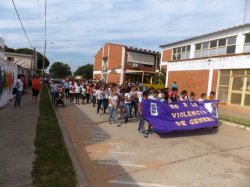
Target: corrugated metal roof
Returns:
[211, 33]
[23, 60]
[142, 50]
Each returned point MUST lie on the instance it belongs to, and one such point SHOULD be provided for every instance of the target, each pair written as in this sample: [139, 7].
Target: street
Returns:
[121, 156]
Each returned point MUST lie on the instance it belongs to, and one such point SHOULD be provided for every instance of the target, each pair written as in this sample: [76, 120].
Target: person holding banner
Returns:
[192, 96]
[203, 97]
[173, 97]
[154, 95]
[211, 96]
[183, 96]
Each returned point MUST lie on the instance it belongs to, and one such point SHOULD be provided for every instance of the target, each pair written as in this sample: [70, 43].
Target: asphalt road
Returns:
[122, 157]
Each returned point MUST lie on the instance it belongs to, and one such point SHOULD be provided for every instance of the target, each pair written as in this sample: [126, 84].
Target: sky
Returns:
[77, 29]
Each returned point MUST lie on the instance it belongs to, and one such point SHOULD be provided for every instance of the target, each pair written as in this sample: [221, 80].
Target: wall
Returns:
[114, 77]
[97, 76]
[98, 61]
[215, 79]
[167, 55]
[115, 56]
[8, 77]
[192, 81]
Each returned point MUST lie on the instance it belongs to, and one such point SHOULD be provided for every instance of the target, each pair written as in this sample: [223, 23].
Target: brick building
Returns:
[217, 61]
[119, 63]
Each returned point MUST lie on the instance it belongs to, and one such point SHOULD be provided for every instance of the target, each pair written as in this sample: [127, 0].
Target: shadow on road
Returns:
[96, 151]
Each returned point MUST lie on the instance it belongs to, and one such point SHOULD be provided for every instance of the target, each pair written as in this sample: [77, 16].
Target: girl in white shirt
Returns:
[71, 92]
[113, 102]
[128, 98]
[99, 97]
[84, 92]
[77, 93]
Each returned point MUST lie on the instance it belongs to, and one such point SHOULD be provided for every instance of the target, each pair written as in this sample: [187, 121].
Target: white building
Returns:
[217, 61]
[8, 76]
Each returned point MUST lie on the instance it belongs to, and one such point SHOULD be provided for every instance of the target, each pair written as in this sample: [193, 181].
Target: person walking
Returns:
[77, 92]
[66, 87]
[71, 92]
[113, 104]
[128, 98]
[36, 86]
[19, 86]
[53, 91]
[141, 128]
[99, 97]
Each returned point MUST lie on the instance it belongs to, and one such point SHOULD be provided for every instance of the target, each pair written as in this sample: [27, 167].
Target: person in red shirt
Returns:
[36, 86]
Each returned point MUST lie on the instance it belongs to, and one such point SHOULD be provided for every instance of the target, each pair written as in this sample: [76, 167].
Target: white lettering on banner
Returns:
[153, 109]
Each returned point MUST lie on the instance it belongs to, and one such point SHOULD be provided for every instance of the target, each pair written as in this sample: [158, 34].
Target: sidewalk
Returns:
[17, 135]
[235, 111]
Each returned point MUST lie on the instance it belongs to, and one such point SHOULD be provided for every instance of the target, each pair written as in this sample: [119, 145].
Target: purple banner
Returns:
[180, 115]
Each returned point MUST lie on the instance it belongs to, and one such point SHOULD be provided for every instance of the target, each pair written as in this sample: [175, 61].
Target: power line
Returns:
[22, 24]
[245, 12]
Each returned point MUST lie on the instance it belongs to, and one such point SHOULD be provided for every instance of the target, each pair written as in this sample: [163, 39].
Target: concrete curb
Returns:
[81, 179]
[243, 127]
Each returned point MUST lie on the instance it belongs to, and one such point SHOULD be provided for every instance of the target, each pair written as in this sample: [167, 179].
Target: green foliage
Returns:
[234, 119]
[155, 86]
[7, 49]
[53, 166]
[85, 71]
[160, 77]
[30, 52]
[59, 70]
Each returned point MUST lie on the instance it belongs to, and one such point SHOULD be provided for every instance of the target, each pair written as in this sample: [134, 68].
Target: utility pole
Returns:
[45, 44]
[34, 62]
[245, 12]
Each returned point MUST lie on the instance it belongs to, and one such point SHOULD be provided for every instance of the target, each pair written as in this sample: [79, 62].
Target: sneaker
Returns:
[98, 115]
[117, 125]
[145, 135]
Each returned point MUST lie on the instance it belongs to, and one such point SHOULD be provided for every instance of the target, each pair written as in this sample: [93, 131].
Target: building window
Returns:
[231, 45]
[198, 47]
[11, 59]
[222, 42]
[234, 87]
[105, 64]
[213, 44]
[247, 38]
[247, 43]
[181, 53]
[223, 85]
[215, 47]
[231, 49]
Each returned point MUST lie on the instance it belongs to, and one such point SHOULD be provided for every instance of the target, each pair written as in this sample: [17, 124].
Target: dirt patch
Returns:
[156, 164]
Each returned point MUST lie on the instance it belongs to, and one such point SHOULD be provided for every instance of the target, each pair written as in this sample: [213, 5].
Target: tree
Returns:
[59, 70]
[160, 77]
[30, 52]
[7, 49]
[85, 71]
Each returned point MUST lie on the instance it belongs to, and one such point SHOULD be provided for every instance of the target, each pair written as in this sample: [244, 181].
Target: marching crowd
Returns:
[123, 99]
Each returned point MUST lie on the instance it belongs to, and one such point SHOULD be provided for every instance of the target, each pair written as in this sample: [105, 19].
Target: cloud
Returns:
[78, 29]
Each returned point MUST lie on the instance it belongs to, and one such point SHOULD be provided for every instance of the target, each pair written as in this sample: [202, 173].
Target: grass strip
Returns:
[53, 166]
[233, 119]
